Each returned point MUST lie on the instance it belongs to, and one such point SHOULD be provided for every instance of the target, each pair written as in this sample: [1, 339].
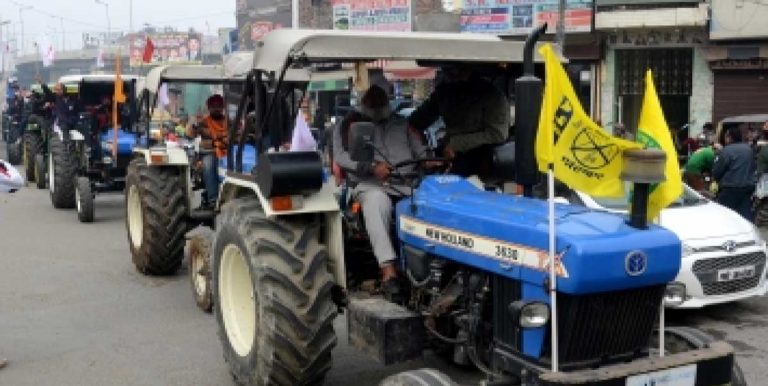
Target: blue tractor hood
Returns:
[508, 235]
[125, 141]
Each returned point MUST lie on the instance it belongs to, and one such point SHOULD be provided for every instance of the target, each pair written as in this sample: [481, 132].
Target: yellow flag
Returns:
[582, 154]
[652, 132]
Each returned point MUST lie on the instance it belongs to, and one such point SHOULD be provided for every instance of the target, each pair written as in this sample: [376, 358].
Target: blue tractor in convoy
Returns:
[93, 156]
[475, 257]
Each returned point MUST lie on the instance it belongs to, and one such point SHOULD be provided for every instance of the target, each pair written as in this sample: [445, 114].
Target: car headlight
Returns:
[687, 250]
[529, 314]
[674, 294]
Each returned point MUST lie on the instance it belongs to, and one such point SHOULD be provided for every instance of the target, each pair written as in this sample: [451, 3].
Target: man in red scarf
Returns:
[213, 131]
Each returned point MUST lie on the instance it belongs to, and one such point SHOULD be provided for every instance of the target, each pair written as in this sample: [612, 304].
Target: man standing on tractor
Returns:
[66, 108]
[213, 130]
[476, 116]
[374, 186]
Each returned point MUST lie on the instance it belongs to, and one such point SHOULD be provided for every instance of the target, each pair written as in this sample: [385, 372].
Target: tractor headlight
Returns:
[529, 314]
[674, 294]
[157, 135]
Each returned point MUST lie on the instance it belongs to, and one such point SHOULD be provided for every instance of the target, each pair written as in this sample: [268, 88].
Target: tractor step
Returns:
[385, 331]
[202, 214]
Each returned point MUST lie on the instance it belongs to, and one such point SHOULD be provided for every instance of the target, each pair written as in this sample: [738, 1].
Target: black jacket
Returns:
[66, 109]
[735, 166]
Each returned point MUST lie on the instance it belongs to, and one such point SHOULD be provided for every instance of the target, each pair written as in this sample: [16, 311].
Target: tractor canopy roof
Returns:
[184, 73]
[751, 118]
[279, 46]
[237, 65]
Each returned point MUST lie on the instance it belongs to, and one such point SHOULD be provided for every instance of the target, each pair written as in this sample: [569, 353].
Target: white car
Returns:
[724, 255]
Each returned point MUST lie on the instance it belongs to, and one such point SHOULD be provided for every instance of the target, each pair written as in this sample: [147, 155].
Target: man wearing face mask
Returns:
[375, 183]
[213, 131]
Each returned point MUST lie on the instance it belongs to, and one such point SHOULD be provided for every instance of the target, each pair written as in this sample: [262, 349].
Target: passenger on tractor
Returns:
[66, 108]
[476, 116]
[374, 188]
[213, 130]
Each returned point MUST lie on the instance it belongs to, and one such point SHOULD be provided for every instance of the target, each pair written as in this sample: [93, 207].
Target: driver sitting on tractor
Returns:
[213, 130]
[375, 185]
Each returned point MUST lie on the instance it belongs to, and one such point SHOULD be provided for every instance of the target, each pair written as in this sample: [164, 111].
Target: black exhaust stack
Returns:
[528, 89]
[642, 167]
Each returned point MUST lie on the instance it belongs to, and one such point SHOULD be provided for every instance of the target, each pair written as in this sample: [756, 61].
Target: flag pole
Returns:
[552, 272]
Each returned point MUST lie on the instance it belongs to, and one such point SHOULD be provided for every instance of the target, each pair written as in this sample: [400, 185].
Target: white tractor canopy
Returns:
[189, 73]
[278, 46]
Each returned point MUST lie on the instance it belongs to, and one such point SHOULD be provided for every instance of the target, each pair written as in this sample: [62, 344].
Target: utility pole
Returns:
[22, 8]
[109, 24]
[63, 35]
[561, 24]
[130, 16]
[5, 51]
[295, 14]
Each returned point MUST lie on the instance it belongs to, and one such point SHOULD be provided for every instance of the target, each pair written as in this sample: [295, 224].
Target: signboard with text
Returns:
[519, 17]
[372, 15]
[169, 47]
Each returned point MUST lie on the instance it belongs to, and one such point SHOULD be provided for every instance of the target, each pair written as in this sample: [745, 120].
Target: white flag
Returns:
[302, 136]
[100, 58]
[10, 179]
[162, 95]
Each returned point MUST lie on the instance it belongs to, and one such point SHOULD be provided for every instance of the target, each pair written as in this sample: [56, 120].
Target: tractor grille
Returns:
[706, 272]
[598, 327]
[505, 330]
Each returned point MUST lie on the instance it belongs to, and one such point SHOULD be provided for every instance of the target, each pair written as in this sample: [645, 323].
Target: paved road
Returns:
[73, 311]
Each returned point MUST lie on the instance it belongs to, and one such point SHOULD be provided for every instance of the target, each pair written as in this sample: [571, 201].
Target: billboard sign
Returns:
[518, 17]
[170, 47]
[372, 15]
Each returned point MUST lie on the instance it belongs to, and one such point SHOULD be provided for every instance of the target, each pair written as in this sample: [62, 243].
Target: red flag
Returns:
[149, 48]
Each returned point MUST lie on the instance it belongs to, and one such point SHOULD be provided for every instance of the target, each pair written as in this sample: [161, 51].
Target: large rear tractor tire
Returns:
[62, 170]
[14, 152]
[420, 377]
[156, 211]
[40, 174]
[33, 145]
[198, 252]
[84, 198]
[272, 297]
[682, 339]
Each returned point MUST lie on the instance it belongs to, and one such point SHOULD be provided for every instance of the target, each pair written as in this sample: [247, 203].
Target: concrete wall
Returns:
[738, 19]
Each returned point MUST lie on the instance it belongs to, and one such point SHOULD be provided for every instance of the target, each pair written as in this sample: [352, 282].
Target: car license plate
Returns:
[679, 376]
[737, 273]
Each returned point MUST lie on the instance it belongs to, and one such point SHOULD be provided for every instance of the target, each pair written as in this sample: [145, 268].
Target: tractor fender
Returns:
[321, 202]
[73, 134]
[171, 156]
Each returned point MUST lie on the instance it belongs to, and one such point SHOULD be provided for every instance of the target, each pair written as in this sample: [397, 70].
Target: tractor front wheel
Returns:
[156, 210]
[33, 145]
[62, 169]
[40, 177]
[84, 199]
[272, 297]
[198, 252]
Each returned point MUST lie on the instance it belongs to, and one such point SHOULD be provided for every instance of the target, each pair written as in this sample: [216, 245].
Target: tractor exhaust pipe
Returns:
[528, 89]
[642, 167]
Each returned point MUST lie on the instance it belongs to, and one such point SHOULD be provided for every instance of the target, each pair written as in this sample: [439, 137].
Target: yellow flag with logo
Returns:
[582, 154]
[653, 133]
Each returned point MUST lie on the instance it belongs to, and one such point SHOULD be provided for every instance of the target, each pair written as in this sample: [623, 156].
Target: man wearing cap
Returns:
[213, 130]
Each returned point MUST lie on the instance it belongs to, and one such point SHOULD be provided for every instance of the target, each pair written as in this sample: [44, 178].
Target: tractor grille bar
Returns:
[601, 326]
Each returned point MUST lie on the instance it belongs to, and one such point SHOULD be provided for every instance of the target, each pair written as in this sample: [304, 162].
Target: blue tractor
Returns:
[93, 156]
[475, 258]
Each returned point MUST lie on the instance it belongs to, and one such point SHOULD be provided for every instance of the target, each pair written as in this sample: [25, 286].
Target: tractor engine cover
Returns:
[289, 173]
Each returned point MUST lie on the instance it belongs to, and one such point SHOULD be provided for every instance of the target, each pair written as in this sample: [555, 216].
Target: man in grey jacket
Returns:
[376, 183]
[477, 117]
[734, 171]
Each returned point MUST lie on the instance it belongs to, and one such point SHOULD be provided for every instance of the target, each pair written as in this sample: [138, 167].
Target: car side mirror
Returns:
[361, 141]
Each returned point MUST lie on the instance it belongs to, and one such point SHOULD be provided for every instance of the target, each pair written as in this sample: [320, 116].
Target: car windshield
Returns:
[688, 198]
